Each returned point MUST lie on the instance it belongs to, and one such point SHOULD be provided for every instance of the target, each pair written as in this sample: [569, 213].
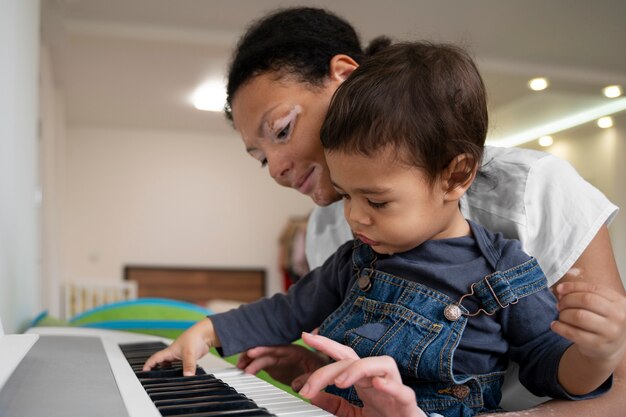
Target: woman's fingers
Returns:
[299, 381]
[336, 405]
[261, 363]
[589, 313]
[591, 302]
[259, 358]
[587, 287]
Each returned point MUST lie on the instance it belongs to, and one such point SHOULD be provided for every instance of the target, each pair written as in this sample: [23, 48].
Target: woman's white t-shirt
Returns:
[527, 195]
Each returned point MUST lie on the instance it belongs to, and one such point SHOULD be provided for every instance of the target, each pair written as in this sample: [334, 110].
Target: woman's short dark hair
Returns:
[299, 41]
[426, 100]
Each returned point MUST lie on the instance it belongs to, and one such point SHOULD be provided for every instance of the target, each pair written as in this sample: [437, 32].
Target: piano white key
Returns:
[268, 396]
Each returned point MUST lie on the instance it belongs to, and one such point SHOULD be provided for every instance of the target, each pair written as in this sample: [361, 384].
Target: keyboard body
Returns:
[72, 371]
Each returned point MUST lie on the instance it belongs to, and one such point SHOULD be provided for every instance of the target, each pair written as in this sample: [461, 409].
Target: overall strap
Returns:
[362, 255]
[503, 288]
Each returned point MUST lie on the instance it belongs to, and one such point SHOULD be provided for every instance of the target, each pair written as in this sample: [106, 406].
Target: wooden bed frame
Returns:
[197, 285]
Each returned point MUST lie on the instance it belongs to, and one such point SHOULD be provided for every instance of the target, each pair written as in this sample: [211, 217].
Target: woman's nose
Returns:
[279, 169]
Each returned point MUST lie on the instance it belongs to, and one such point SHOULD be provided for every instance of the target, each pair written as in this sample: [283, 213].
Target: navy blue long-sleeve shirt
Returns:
[520, 332]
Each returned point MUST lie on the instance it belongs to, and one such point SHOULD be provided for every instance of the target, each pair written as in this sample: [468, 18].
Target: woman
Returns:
[282, 77]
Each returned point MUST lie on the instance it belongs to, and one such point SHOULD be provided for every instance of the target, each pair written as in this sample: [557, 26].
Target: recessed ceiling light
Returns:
[546, 141]
[538, 84]
[605, 122]
[612, 91]
[210, 96]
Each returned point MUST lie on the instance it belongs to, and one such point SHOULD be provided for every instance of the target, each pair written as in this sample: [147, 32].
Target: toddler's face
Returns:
[389, 205]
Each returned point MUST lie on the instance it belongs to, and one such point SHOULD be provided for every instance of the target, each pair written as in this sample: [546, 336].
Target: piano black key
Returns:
[141, 361]
[174, 393]
[164, 384]
[259, 412]
[140, 354]
[175, 410]
[165, 373]
[203, 395]
[179, 386]
[138, 366]
[232, 396]
[196, 379]
[129, 347]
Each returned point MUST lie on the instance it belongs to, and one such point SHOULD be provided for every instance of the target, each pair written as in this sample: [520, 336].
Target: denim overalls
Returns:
[387, 315]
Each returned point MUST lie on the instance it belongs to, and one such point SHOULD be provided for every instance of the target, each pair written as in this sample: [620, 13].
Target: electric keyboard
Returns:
[71, 372]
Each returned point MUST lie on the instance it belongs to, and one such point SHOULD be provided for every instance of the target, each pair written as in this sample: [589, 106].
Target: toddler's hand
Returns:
[190, 346]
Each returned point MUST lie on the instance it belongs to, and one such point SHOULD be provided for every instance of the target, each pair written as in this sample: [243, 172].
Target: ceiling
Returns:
[135, 63]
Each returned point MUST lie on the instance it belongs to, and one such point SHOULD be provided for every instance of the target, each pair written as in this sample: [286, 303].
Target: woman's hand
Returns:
[289, 364]
[594, 318]
[376, 379]
[190, 346]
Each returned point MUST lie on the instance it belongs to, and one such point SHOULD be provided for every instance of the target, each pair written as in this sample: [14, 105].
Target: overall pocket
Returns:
[380, 328]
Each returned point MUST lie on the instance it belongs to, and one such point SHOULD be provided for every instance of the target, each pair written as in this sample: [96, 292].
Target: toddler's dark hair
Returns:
[426, 100]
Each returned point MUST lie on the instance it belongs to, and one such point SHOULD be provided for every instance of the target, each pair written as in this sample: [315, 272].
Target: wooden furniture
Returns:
[197, 285]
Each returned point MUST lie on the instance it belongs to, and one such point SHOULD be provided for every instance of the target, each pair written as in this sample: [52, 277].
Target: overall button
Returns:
[452, 312]
[364, 282]
[460, 391]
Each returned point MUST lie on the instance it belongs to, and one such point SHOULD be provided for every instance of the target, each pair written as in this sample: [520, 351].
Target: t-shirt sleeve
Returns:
[563, 214]
[283, 317]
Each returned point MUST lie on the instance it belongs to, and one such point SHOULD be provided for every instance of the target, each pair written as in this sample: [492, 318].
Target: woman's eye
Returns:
[376, 205]
[344, 196]
[284, 133]
[263, 162]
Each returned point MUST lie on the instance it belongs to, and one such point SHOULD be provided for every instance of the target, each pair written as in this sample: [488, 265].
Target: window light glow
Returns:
[210, 97]
[538, 84]
[605, 122]
[546, 141]
[612, 91]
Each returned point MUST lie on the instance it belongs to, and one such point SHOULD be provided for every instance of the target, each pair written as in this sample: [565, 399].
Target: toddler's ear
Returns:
[458, 176]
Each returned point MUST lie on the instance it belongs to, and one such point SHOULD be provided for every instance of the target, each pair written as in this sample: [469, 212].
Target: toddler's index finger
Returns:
[189, 363]
[161, 356]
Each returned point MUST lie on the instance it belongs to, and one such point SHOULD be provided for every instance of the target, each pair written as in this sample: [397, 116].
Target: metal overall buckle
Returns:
[364, 281]
[453, 311]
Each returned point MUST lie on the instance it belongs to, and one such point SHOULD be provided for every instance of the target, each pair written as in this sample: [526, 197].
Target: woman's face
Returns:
[279, 120]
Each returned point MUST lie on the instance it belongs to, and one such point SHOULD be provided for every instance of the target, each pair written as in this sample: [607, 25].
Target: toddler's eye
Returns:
[376, 205]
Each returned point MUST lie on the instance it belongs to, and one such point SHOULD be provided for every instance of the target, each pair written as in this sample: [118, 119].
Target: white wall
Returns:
[19, 234]
[52, 166]
[153, 197]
